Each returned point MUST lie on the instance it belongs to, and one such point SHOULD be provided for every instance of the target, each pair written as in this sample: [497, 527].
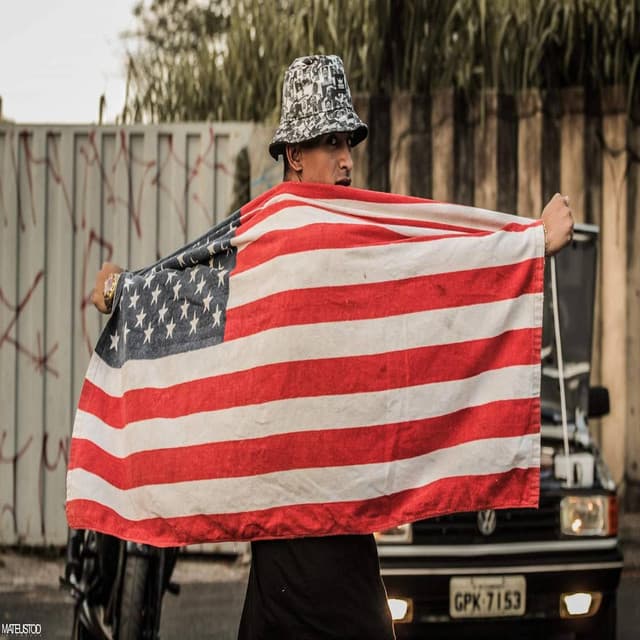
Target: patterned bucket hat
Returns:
[315, 100]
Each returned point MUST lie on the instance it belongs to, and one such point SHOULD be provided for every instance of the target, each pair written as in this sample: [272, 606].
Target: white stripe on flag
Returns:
[298, 217]
[309, 486]
[380, 263]
[308, 414]
[436, 212]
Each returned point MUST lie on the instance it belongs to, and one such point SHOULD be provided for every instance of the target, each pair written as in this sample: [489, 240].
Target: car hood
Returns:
[576, 278]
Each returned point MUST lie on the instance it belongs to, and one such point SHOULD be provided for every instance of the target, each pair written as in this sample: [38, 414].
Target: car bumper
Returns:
[426, 581]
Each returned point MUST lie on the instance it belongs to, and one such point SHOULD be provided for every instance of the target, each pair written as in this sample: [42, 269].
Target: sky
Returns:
[57, 57]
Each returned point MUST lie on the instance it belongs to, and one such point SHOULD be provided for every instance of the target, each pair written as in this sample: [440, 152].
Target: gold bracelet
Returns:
[109, 290]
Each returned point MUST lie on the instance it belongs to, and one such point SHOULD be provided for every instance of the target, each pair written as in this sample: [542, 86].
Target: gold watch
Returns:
[109, 289]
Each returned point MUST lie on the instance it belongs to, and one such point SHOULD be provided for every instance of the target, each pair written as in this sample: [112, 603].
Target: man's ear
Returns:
[294, 156]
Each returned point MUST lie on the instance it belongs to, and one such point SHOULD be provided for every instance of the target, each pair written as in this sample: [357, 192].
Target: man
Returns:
[323, 587]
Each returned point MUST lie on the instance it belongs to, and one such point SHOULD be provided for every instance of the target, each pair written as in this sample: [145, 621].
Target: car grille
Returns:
[512, 525]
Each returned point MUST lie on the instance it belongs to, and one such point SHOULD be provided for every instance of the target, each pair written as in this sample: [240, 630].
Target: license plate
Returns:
[487, 596]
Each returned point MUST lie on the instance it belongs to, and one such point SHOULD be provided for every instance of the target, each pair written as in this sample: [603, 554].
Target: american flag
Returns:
[327, 360]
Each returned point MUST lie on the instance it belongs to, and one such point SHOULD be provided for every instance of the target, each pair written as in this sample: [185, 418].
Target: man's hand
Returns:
[558, 222]
[97, 297]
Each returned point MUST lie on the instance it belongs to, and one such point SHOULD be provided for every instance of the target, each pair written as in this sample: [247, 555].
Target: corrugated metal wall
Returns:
[70, 198]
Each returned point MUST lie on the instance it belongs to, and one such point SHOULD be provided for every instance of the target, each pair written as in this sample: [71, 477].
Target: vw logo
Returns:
[487, 522]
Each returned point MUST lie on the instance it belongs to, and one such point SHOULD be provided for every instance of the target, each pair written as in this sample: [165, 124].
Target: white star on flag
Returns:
[216, 316]
[154, 295]
[207, 301]
[162, 312]
[176, 289]
[193, 322]
[115, 338]
[184, 308]
[140, 317]
[147, 333]
[221, 274]
[170, 327]
[134, 300]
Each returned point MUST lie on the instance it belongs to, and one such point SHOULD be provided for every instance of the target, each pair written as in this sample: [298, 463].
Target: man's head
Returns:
[325, 159]
[318, 125]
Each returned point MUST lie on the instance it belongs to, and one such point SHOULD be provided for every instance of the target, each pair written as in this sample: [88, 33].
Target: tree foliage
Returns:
[224, 59]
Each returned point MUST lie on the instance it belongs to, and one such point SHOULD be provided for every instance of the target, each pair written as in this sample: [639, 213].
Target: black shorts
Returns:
[316, 588]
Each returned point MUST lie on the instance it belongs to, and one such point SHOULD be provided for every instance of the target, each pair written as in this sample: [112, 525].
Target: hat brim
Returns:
[289, 133]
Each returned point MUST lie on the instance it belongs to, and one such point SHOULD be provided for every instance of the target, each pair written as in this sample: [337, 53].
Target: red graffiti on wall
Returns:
[52, 163]
[153, 175]
[9, 507]
[46, 464]
[84, 180]
[39, 359]
[55, 169]
[85, 303]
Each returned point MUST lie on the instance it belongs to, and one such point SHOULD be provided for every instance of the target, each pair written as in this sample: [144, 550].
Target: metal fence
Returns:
[70, 198]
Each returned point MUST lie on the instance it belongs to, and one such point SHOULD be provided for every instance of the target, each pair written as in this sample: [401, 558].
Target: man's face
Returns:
[327, 160]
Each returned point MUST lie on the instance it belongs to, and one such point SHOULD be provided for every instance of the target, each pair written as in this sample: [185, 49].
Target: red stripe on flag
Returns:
[319, 236]
[383, 299]
[321, 192]
[313, 378]
[305, 449]
[363, 217]
[515, 488]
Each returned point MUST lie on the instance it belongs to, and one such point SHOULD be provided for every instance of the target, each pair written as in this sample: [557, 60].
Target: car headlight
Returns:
[401, 534]
[401, 609]
[589, 515]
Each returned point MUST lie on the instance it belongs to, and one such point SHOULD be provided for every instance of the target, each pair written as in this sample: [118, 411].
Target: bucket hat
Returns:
[315, 100]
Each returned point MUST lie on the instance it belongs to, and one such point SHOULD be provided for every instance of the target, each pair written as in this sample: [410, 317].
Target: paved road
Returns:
[210, 610]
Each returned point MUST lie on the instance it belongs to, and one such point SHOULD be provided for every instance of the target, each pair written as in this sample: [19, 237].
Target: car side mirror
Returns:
[598, 402]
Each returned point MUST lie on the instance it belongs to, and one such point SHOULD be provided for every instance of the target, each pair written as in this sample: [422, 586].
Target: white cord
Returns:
[563, 401]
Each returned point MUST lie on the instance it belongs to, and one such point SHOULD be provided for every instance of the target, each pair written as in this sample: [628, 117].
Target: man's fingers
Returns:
[565, 199]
